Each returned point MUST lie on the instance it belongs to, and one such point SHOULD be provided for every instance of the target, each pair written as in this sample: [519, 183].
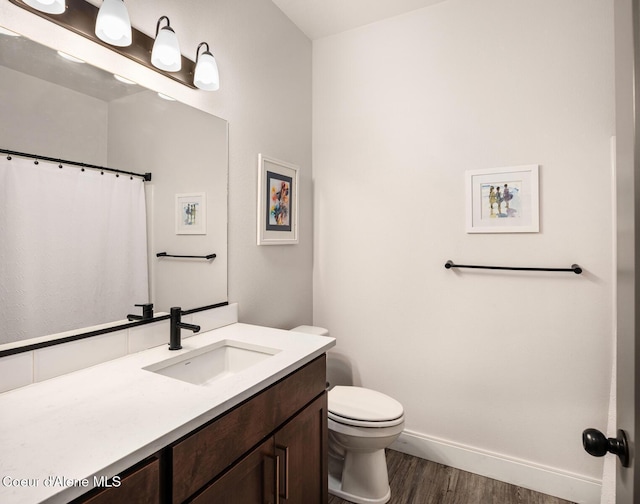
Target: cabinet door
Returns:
[253, 480]
[301, 446]
[138, 485]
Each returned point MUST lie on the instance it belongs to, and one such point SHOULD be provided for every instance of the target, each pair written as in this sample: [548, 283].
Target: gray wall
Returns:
[50, 120]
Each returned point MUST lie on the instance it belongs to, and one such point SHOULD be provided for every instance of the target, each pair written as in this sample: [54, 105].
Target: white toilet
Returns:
[362, 423]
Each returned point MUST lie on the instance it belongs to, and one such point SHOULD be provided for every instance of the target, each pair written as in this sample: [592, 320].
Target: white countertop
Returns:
[103, 419]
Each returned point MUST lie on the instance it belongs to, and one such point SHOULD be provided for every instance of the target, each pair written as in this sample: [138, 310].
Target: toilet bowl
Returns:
[362, 423]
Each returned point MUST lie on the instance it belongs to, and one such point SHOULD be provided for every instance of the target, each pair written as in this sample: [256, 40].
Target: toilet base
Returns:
[336, 466]
[335, 488]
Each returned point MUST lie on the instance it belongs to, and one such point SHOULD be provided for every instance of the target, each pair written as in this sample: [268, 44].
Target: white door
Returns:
[627, 76]
[627, 56]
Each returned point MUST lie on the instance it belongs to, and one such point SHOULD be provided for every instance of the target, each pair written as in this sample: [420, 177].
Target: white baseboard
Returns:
[547, 480]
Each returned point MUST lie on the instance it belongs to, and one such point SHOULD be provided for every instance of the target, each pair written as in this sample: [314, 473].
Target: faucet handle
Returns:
[147, 310]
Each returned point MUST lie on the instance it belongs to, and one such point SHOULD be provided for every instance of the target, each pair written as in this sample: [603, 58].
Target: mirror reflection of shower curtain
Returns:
[73, 248]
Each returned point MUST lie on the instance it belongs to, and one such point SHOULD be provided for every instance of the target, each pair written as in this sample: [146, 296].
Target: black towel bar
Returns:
[574, 267]
[208, 257]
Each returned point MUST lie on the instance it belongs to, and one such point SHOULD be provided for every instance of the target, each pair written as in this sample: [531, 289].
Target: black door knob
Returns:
[598, 445]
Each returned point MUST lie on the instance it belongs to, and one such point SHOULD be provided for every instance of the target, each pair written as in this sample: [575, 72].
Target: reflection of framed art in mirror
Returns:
[191, 213]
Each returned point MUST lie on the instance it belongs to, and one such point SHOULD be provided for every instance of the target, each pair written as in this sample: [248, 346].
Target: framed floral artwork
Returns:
[277, 202]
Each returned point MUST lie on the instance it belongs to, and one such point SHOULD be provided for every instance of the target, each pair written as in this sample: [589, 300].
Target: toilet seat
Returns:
[362, 407]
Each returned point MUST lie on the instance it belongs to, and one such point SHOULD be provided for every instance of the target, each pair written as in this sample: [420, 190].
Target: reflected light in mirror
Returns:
[166, 97]
[69, 57]
[124, 80]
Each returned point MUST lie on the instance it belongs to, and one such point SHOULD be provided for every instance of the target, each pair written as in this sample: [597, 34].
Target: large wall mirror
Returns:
[51, 106]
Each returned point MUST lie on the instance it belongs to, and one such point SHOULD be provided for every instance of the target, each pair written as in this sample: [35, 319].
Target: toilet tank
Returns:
[320, 331]
[339, 369]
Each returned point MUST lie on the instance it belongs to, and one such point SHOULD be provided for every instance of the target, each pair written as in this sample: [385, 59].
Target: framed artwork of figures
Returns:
[503, 200]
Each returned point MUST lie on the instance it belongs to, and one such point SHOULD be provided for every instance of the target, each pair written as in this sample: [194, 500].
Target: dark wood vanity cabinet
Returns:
[139, 484]
[283, 469]
[272, 448]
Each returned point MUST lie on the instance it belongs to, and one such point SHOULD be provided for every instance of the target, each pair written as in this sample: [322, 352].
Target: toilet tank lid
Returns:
[320, 331]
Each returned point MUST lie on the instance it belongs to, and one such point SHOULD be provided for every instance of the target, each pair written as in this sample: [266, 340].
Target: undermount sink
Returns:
[214, 362]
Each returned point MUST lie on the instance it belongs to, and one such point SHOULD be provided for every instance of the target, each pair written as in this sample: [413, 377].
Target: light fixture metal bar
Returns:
[80, 17]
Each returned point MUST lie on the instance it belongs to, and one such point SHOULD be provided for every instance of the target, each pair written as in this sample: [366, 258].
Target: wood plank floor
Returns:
[417, 481]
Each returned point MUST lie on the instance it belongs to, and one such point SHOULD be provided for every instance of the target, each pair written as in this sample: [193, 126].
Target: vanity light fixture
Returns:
[165, 54]
[113, 25]
[206, 76]
[48, 6]
[108, 24]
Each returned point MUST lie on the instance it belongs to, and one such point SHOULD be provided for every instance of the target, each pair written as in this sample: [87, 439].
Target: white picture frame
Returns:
[503, 200]
[277, 216]
[191, 214]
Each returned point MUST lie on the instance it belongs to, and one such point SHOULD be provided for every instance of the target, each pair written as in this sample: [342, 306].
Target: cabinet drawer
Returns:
[203, 455]
[140, 484]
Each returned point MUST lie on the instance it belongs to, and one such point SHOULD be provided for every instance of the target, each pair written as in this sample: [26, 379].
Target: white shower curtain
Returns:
[73, 248]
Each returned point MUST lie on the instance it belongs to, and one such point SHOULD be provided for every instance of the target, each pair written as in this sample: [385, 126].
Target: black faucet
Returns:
[147, 312]
[176, 325]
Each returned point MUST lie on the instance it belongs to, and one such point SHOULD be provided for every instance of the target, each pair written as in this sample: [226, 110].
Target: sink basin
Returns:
[214, 362]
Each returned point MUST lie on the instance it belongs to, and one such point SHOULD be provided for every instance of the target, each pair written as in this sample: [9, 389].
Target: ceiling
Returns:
[320, 18]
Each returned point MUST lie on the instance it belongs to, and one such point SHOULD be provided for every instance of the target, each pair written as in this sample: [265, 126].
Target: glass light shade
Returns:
[165, 54]
[113, 25]
[206, 76]
[48, 6]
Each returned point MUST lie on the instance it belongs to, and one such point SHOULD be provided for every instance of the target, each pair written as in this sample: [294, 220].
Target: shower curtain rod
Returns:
[36, 158]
